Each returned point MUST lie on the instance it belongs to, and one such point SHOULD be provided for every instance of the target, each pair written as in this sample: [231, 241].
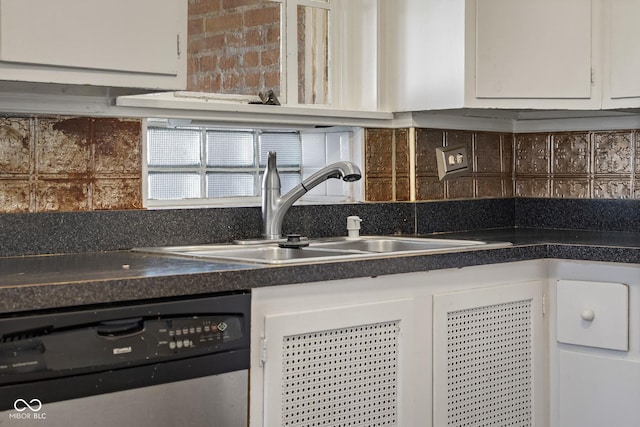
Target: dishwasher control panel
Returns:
[121, 342]
[184, 334]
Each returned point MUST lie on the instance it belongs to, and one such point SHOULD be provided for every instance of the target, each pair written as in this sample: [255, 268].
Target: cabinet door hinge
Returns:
[263, 351]
[178, 45]
[593, 76]
[544, 305]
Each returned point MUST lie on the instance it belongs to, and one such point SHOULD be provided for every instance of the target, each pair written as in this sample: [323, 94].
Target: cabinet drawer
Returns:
[593, 314]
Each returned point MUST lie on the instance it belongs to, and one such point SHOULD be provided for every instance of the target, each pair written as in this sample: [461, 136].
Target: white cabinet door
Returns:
[110, 43]
[533, 49]
[347, 365]
[489, 356]
[315, 344]
[594, 382]
[622, 54]
[443, 54]
[422, 51]
[596, 390]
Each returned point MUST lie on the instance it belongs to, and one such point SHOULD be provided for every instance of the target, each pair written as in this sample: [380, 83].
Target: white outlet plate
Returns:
[452, 161]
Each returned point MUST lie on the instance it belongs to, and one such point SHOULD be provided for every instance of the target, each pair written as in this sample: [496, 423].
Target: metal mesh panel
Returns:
[489, 366]
[341, 377]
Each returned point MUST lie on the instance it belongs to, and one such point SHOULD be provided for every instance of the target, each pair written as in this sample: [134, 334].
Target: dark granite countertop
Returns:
[58, 281]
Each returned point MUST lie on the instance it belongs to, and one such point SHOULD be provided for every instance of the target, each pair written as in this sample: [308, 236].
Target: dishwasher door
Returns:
[213, 401]
[168, 363]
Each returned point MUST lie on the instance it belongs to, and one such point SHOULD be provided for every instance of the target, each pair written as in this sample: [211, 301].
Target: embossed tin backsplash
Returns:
[598, 165]
[70, 164]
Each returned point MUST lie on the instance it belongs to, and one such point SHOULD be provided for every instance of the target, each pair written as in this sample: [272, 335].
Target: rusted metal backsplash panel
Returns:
[70, 164]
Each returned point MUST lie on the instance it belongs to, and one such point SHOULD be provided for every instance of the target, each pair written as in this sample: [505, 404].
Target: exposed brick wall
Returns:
[234, 46]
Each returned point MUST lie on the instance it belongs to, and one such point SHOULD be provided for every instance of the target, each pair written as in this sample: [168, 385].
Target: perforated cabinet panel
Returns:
[344, 366]
[341, 377]
[485, 359]
[489, 366]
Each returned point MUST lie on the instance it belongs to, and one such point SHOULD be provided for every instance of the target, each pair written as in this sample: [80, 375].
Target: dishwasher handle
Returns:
[120, 328]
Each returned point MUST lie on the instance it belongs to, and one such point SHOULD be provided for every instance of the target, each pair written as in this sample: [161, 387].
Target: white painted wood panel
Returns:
[596, 391]
[592, 386]
[622, 50]
[422, 44]
[138, 36]
[114, 43]
[523, 54]
[594, 314]
[533, 49]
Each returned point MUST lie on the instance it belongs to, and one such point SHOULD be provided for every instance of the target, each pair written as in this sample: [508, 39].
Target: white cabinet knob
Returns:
[588, 315]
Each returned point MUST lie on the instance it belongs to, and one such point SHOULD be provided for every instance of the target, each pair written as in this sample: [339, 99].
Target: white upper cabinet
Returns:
[120, 43]
[422, 47]
[515, 54]
[525, 49]
[621, 87]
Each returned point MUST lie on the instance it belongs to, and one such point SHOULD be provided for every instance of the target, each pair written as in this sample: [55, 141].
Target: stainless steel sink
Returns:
[394, 244]
[265, 253]
[324, 250]
[272, 254]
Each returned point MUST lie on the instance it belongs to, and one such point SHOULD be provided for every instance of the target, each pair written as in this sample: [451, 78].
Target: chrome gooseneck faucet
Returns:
[275, 206]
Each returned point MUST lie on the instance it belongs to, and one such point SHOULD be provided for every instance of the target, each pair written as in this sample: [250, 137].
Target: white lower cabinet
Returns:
[342, 366]
[437, 348]
[489, 357]
[547, 343]
[594, 344]
[596, 390]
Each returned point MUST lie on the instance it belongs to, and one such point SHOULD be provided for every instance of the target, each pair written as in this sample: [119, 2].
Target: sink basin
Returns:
[264, 253]
[323, 250]
[271, 254]
[394, 244]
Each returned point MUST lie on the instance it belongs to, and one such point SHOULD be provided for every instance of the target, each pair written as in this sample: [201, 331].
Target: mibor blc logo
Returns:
[27, 410]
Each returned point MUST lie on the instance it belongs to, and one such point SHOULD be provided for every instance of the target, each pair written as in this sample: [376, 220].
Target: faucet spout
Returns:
[275, 205]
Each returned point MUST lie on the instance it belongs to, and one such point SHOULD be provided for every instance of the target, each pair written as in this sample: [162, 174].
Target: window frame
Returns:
[289, 79]
[355, 153]
[353, 69]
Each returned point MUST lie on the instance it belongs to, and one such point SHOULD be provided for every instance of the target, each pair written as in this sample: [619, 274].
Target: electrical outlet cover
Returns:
[452, 161]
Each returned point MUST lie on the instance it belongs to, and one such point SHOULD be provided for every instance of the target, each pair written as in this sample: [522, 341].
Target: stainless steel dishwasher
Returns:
[167, 363]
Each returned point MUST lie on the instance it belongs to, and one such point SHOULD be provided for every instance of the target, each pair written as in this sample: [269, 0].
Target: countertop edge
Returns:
[30, 297]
